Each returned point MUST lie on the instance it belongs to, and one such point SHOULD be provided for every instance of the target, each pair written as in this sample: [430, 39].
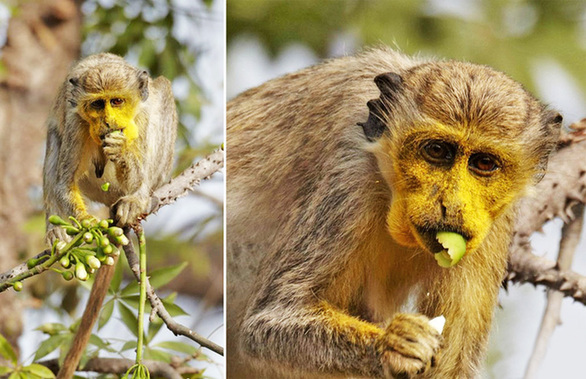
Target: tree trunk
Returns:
[43, 38]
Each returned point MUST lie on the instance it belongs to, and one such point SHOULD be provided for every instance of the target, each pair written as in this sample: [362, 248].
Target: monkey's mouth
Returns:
[428, 237]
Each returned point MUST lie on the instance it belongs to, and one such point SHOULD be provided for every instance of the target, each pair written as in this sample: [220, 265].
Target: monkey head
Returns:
[457, 143]
[108, 97]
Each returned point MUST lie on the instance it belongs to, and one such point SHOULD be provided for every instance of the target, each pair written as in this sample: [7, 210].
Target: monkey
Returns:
[110, 123]
[339, 176]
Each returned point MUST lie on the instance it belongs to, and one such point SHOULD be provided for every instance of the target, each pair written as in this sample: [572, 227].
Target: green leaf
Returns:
[106, 313]
[162, 276]
[174, 309]
[130, 289]
[39, 370]
[52, 328]
[5, 370]
[180, 347]
[157, 355]
[128, 318]
[49, 345]
[128, 345]
[153, 329]
[15, 375]
[7, 351]
[116, 278]
[100, 343]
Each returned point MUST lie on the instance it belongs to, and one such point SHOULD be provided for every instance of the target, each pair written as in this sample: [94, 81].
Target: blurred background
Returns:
[183, 40]
[541, 43]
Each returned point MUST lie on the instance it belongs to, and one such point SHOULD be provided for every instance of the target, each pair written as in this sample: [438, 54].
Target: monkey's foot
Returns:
[408, 346]
[113, 144]
[129, 208]
[55, 233]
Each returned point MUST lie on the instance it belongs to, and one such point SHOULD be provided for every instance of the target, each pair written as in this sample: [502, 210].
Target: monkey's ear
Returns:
[74, 82]
[143, 85]
[389, 85]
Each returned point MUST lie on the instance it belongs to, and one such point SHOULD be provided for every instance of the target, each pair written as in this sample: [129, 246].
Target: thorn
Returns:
[565, 286]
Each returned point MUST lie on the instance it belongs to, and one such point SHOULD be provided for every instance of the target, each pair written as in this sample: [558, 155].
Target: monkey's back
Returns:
[290, 143]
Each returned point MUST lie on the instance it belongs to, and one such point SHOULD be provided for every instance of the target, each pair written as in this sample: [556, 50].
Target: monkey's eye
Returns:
[483, 164]
[439, 152]
[98, 104]
[116, 102]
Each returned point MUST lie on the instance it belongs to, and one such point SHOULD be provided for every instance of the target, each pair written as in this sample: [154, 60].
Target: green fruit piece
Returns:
[122, 240]
[67, 275]
[86, 223]
[17, 286]
[56, 220]
[109, 261]
[103, 224]
[105, 187]
[455, 246]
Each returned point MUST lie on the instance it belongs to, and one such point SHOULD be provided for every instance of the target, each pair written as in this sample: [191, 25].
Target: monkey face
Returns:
[106, 112]
[450, 179]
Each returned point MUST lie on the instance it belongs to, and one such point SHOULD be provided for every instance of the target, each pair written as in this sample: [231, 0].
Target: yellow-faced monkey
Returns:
[110, 123]
[339, 178]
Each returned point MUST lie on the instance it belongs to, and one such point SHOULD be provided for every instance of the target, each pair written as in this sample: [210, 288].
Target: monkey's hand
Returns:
[130, 207]
[408, 346]
[113, 145]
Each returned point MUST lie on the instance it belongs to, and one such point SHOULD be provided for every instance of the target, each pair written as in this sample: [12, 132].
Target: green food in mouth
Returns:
[455, 248]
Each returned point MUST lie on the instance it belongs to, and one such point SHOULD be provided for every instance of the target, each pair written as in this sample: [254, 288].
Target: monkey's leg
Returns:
[88, 319]
[321, 339]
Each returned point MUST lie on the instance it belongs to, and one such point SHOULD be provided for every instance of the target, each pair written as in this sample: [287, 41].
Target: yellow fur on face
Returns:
[471, 202]
[111, 117]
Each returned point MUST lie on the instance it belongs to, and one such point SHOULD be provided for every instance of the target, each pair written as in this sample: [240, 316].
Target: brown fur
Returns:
[320, 267]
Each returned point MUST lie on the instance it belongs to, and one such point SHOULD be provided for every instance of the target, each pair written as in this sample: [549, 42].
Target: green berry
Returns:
[80, 271]
[64, 261]
[103, 224]
[17, 286]
[115, 231]
[108, 249]
[104, 242]
[109, 261]
[56, 220]
[60, 245]
[93, 262]
[105, 187]
[88, 237]
[67, 275]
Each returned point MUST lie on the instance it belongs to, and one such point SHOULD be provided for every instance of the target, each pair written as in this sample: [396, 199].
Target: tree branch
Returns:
[158, 307]
[167, 194]
[120, 366]
[571, 234]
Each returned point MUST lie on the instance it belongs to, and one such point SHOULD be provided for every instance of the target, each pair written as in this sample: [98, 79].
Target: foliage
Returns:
[15, 371]
[509, 35]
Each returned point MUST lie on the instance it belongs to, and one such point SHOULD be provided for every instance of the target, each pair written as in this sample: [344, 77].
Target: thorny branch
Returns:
[167, 194]
[159, 308]
[561, 189]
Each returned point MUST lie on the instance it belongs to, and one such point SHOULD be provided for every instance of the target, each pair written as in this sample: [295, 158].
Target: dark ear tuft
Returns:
[389, 85]
[557, 119]
[74, 81]
[143, 85]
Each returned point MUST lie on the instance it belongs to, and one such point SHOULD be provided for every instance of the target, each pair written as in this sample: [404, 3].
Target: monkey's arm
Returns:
[317, 338]
[61, 194]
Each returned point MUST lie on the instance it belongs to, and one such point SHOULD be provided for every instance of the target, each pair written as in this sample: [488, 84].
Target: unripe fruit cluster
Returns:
[95, 243]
